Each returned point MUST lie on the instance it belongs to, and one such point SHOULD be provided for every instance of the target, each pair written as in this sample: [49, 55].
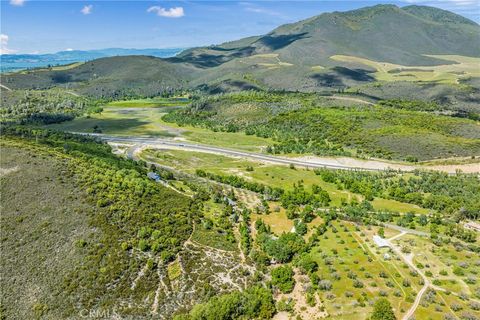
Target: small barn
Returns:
[380, 242]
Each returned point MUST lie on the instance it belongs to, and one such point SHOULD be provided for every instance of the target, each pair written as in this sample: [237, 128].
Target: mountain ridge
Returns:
[297, 56]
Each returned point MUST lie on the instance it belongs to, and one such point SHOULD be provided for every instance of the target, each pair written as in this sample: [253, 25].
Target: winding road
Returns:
[159, 143]
[311, 162]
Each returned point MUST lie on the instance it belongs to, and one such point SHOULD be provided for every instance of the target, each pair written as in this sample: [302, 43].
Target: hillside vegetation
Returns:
[92, 219]
[300, 124]
[113, 78]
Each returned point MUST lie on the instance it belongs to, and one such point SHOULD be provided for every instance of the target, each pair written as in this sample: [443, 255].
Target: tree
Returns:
[285, 247]
[381, 232]
[422, 220]
[382, 310]
[300, 227]
[253, 303]
[282, 278]
[307, 264]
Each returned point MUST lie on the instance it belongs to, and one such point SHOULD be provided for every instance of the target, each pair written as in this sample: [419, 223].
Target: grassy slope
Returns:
[44, 214]
[47, 212]
[114, 77]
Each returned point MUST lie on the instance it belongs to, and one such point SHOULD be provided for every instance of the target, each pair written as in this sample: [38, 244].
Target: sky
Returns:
[36, 26]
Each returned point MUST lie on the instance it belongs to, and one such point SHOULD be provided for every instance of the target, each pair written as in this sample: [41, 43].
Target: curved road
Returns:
[169, 143]
[315, 162]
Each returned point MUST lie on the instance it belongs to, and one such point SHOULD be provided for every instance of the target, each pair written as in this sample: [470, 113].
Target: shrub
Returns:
[307, 264]
[255, 302]
[325, 285]
[382, 310]
[282, 278]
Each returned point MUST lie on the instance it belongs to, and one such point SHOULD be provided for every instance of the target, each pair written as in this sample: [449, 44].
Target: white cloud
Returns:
[18, 3]
[4, 45]
[69, 49]
[176, 12]
[87, 9]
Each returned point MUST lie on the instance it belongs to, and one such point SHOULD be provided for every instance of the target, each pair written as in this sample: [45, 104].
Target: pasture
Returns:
[456, 68]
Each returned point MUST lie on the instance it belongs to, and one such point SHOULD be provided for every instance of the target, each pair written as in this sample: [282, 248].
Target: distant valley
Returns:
[16, 62]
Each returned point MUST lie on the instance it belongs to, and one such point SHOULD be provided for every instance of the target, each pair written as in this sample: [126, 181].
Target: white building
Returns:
[380, 242]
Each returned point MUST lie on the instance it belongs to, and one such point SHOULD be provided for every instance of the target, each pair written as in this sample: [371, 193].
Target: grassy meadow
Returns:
[456, 68]
[147, 121]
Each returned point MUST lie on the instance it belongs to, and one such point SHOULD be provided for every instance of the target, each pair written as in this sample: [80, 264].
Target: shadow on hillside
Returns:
[109, 126]
[280, 41]
[328, 80]
[205, 60]
[228, 86]
[354, 74]
[341, 77]
[199, 58]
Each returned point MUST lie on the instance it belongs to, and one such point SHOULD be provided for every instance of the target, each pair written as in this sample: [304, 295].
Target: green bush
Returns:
[282, 278]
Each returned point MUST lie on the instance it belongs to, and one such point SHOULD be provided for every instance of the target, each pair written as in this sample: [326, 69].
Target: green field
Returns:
[450, 267]
[271, 175]
[305, 124]
[462, 68]
[149, 103]
[138, 121]
[343, 258]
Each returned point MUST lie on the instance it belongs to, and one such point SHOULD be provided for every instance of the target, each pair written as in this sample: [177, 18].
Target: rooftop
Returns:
[380, 242]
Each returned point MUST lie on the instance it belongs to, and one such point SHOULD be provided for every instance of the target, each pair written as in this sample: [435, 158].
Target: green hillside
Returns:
[383, 33]
[113, 77]
[296, 56]
[84, 222]
[304, 123]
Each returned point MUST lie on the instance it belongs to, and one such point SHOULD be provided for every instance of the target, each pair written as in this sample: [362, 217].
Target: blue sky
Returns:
[37, 26]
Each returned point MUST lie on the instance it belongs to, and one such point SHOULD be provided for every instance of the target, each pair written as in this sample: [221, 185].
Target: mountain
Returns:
[12, 62]
[382, 33]
[331, 51]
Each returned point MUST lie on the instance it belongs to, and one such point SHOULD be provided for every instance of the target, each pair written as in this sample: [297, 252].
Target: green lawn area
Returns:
[151, 103]
[145, 120]
[397, 206]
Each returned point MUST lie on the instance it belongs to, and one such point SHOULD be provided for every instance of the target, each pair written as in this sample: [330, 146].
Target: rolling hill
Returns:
[400, 35]
[328, 52]
[15, 62]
